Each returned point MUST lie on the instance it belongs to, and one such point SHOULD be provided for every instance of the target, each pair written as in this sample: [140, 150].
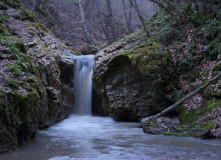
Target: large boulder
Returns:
[135, 80]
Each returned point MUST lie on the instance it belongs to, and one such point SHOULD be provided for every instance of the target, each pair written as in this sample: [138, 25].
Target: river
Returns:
[101, 138]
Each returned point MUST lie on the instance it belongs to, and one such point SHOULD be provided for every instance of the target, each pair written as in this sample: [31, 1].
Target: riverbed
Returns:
[101, 138]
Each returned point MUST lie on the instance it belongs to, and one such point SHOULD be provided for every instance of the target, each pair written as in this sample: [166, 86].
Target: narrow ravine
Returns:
[83, 136]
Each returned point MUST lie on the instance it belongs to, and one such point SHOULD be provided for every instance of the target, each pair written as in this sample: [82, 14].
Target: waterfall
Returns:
[83, 84]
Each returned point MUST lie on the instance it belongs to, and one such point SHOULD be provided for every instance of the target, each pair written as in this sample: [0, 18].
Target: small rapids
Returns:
[99, 138]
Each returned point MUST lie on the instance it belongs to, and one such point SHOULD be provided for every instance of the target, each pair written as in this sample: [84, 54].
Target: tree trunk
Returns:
[87, 34]
[188, 96]
[134, 4]
[111, 20]
[103, 25]
[33, 5]
[126, 18]
[91, 15]
[130, 17]
[160, 4]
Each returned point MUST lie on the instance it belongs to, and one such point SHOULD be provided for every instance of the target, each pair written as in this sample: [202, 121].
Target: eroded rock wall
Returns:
[135, 79]
[36, 76]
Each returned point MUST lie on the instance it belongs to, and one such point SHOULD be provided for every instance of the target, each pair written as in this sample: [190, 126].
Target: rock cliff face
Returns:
[134, 79]
[36, 76]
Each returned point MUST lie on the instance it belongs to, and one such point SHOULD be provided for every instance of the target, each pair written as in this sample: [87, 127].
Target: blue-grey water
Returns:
[100, 138]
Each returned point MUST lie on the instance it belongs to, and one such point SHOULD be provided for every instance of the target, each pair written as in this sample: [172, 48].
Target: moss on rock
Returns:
[3, 31]
[190, 117]
[155, 61]
[13, 84]
[139, 80]
[18, 116]
[25, 14]
[88, 49]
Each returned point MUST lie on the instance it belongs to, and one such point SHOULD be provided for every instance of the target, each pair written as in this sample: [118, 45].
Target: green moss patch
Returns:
[192, 116]
[25, 14]
[18, 51]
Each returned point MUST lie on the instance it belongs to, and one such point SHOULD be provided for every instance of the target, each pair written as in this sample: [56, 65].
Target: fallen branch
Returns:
[188, 96]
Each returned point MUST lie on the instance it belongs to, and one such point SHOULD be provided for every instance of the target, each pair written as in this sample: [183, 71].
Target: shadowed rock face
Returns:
[122, 88]
[36, 77]
[134, 84]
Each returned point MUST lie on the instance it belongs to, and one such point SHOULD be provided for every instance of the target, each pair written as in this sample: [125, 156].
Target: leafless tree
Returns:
[87, 34]
[134, 4]
[103, 21]
[101, 17]
[111, 20]
[128, 20]
[33, 5]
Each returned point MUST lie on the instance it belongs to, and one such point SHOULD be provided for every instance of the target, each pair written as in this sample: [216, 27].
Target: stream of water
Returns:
[100, 138]
[85, 137]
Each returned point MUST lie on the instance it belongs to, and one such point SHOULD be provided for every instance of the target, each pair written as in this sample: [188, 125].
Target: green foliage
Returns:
[179, 49]
[186, 64]
[191, 75]
[192, 49]
[211, 30]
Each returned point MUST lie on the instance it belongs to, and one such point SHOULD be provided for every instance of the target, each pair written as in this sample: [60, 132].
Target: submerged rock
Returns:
[135, 82]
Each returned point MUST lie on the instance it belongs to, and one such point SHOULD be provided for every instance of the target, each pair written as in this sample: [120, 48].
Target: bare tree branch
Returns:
[188, 96]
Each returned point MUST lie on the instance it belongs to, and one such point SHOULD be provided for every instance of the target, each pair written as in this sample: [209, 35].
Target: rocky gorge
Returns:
[134, 78]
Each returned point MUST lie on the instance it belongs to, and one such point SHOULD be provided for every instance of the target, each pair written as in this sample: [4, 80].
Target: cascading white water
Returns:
[83, 84]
